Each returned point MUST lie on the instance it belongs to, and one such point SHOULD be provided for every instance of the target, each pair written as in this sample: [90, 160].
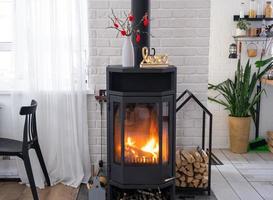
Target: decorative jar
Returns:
[268, 10]
[252, 13]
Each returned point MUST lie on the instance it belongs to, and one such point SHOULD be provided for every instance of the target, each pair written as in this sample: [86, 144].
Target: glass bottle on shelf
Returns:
[252, 13]
[268, 10]
[260, 9]
[242, 10]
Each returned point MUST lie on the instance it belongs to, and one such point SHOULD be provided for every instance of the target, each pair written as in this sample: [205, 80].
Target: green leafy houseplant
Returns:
[243, 24]
[239, 95]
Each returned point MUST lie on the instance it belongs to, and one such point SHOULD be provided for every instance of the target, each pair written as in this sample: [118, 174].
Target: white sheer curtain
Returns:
[51, 51]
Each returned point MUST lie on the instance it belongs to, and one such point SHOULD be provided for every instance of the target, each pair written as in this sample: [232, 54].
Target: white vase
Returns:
[128, 55]
[240, 32]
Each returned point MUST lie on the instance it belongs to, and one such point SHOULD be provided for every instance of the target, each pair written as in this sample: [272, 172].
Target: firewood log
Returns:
[178, 160]
[205, 179]
[186, 171]
[189, 179]
[183, 178]
[177, 175]
[188, 156]
[200, 185]
[196, 170]
[189, 167]
[198, 176]
[197, 156]
[138, 152]
[204, 155]
[203, 165]
[177, 182]
[195, 183]
[183, 184]
[202, 170]
[184, 162]
[197, 164]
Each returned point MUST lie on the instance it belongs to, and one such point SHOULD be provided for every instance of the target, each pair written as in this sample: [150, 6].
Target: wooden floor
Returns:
[242, 177]
[246, 176]
[16, 191]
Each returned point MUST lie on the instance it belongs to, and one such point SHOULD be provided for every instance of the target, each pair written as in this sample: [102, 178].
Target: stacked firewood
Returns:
[270, 140]
[192, 168]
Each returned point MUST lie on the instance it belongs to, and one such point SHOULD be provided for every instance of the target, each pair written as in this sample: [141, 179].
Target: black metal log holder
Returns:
[205, 112]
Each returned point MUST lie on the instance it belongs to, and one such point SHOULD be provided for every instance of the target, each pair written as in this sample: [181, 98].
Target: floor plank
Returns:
[221, 156]
[16, 191]
[257, 166]
[253, 157]
[233, 157]
[265, 189]
[11, 191]
[220, 187]
[267, 156]
[258, 174]
[239, 184]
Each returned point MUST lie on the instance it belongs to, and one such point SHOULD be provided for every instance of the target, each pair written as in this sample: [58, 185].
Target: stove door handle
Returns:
[169, 179]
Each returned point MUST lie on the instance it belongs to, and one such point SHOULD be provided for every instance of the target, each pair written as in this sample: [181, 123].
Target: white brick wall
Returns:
[181, 29]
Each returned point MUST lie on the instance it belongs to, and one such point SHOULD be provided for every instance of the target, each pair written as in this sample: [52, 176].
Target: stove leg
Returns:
[109, 192]
[172, 192]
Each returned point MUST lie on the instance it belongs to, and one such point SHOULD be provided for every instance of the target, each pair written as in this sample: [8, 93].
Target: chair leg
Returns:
[30, 176]
[42, 163]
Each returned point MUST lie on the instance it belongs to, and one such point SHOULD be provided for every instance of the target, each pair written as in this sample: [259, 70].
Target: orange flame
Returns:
[151, 147]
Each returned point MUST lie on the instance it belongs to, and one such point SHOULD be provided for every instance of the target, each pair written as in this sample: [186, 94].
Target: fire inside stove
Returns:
[141, 135]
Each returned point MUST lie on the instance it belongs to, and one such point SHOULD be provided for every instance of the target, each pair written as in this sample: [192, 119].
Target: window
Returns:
[6, 44]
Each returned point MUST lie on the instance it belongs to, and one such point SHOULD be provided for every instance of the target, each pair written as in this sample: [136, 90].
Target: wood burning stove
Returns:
[141, 128]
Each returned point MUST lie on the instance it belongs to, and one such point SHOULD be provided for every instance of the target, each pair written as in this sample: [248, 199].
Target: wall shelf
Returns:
[266, 41]
[237, 18]
[251, 39]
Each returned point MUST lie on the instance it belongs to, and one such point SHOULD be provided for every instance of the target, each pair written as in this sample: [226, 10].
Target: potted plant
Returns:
[242, 27]
[239, 98]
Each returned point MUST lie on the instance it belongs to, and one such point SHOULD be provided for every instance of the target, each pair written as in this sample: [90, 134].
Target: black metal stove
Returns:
[141, 129]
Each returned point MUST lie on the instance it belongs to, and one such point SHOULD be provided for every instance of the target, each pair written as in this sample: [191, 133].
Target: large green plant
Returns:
[239, 96]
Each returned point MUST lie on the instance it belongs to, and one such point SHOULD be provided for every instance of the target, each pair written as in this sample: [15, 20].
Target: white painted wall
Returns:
[220, 68]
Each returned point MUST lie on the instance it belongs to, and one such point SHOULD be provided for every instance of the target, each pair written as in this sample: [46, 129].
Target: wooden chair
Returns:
[10, 147]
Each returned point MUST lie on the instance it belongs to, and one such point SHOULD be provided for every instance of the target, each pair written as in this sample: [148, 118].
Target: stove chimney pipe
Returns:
[139, 9]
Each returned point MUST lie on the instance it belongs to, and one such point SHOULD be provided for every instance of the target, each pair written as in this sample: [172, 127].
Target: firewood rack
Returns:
[205, 113]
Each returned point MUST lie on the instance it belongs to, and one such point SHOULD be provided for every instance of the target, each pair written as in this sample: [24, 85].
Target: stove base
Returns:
[167, 190]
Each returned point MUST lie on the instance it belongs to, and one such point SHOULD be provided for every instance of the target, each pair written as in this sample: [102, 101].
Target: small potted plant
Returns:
[239, 98]
[242, 27]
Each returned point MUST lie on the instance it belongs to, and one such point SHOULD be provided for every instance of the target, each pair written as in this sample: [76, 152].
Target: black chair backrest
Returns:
[30, 130]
